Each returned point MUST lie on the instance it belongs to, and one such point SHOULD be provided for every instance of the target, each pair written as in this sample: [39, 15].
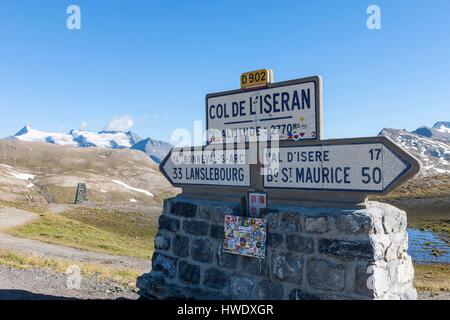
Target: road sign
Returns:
[256, 78]
[360, 165]
[207, 166]
[289, 110]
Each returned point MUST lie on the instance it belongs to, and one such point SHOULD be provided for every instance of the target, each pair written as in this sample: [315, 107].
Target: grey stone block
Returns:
[180, 246]
[216, 279]
[242, 288]
[297, 243]
[325, 275]
[316, 224]
[165, 264]
[227, 260]
[196, 228]
[271, 216]
[269, 290]
[288, 267]
[361, 283]
[394, 221]
[168, 223]
[188, 272]
[217, 232]
[214, 214]
[183, 209]
[166, 205]
[152, 285]
[162, 242]
[349, 250]
[298, 294]
[354, 224]
[274, 240]
[201, 250]
[255, 266]
[290, 222]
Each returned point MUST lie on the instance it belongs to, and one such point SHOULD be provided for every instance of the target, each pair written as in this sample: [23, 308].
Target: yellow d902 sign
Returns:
[256, 78]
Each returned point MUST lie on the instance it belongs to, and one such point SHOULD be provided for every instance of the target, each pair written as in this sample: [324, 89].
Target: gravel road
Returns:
[38, 284]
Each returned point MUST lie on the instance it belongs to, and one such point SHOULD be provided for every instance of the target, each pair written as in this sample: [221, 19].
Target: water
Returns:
[421, 245]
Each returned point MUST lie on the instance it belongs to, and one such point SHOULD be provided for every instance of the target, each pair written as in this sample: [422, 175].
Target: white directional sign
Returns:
[288, 110]
[207, 166]
[354, 166]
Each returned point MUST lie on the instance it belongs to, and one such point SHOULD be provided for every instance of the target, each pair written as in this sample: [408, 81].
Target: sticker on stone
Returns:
[245, 236]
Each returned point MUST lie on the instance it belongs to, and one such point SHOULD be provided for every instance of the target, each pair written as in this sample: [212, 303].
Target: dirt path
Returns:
[11, 217]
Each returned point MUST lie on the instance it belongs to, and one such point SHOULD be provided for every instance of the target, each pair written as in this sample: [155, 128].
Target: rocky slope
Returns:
[157, 150]
[433, 151]
[47, 173]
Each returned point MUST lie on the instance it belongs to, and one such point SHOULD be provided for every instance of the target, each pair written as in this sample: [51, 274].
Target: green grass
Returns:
[130, 224]
[96, 233]
[432, 277]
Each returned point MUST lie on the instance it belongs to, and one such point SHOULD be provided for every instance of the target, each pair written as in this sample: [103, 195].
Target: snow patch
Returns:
[443, 129]
[133, 189]
[438, 170]
[133, 200]
[22, 176]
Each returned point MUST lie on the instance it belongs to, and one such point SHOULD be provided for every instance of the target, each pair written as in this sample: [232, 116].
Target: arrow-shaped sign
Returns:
[209, 166]
[365, 165]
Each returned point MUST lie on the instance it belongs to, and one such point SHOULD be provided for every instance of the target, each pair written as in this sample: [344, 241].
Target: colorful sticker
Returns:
[245, 236]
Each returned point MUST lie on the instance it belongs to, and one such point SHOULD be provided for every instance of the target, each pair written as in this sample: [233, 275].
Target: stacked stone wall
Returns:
[311, 254]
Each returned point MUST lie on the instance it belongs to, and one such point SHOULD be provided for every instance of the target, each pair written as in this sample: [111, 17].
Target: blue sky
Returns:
[156, 60]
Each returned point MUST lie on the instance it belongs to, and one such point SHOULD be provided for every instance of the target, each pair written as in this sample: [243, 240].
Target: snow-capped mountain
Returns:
[80, 138]
[433, 151]
[27, 133]
[440, 131]
[156, 149]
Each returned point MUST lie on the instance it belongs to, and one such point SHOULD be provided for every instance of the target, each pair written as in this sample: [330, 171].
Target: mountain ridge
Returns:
[112, 139]
[429, 145]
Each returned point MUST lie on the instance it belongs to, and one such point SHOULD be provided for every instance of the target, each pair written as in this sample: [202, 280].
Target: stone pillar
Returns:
[81, 195]
[311, 254]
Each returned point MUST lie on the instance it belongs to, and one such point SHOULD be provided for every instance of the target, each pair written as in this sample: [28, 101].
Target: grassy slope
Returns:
[432, 277]
[129, 234]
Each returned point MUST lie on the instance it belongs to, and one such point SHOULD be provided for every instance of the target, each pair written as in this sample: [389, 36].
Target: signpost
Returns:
[205, 166]
[367, 165]
[294, 166]
[266, 166]
[289, 110]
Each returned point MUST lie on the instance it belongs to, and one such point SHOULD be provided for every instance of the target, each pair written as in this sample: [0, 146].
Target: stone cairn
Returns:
[311, 253]
[81, 195]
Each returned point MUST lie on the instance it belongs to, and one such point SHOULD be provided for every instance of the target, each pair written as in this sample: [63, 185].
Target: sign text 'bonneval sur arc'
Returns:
[209, 166]
[289, 110]
[366, 165]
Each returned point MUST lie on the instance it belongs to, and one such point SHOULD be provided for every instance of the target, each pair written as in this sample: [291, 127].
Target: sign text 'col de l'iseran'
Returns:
[290, 109]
